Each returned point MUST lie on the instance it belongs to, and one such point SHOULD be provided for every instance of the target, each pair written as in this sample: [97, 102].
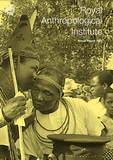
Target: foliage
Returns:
[56, 44]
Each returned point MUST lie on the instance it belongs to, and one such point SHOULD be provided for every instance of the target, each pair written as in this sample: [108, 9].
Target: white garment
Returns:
[4, 140]
[97, 107]
[82, 121]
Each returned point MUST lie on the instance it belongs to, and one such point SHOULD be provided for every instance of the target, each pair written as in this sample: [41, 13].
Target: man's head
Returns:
[108, 100]
[26, 72]
[26, 65]
[99, 82]
[47, 90]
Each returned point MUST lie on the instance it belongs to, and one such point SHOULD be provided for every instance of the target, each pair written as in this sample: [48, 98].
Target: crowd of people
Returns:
[53, 112]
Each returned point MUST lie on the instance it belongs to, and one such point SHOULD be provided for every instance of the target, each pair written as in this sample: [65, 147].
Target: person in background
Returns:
[99, 82]
[108, 117]
[111, 71]
[107, 120]
[55, 114]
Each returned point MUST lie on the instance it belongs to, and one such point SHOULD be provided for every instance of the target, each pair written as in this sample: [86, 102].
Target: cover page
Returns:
[74, 38]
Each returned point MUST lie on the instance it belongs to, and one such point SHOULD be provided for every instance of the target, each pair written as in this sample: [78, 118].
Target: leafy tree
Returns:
[55, 42]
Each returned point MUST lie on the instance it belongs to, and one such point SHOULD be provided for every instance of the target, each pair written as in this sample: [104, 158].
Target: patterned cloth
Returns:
[108, 154]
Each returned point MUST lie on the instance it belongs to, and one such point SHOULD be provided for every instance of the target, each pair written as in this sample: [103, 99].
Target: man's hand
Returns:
[14, 108]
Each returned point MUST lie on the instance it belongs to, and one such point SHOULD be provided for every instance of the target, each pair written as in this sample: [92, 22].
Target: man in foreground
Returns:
[26, 71]
[55, 114]
[12, 107]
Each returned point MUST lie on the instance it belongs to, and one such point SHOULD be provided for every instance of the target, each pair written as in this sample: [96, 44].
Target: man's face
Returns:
[45, 97]
[26, 73]
[96, 88]
[108, 102]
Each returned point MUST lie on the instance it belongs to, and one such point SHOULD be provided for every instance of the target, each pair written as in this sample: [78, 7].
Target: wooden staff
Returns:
[20, 121]
[16, 91]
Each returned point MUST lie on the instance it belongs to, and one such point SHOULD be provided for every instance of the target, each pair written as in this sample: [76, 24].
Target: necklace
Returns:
[64, 125]
[66, 118]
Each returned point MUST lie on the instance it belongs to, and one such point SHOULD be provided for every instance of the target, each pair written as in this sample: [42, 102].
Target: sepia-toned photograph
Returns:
[56, 80]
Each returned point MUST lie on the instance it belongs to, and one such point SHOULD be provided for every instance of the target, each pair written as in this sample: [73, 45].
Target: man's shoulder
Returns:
[76, 103]
[74, 100]
[94, 101]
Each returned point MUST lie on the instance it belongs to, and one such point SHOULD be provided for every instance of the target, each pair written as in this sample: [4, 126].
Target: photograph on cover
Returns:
[56, 80]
